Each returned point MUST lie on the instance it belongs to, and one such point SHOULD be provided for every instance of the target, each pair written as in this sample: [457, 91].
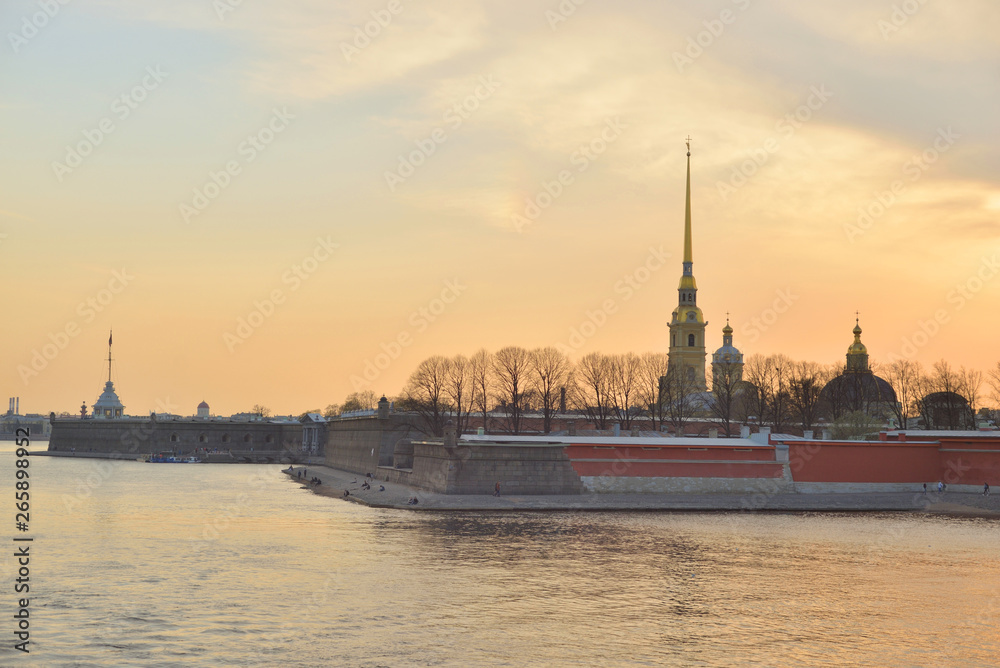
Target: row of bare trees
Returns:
[780, 392]
[500, 388]
[946, 398]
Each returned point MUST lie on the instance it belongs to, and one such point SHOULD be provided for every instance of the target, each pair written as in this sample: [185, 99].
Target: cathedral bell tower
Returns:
[687, 322]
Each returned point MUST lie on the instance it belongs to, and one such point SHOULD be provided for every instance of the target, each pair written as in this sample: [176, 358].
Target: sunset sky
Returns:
[170, 168]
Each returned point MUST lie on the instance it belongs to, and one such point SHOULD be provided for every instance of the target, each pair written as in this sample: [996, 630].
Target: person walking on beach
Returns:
[925, 489]
[986, 489]
[496, 489]
[940, 486]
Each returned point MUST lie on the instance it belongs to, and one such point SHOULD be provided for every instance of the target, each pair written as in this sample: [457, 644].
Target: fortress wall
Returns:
[863, 462]
[894, 466]
[476, 468]
[134, 437]
[520, 469]
[361, 444]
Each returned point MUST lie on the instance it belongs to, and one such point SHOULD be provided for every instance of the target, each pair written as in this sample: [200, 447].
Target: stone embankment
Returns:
[335, 482]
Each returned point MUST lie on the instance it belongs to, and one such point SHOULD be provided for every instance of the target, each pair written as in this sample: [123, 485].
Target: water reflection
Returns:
[290, 578]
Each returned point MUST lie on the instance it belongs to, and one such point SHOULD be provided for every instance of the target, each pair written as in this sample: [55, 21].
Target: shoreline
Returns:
[395, 496]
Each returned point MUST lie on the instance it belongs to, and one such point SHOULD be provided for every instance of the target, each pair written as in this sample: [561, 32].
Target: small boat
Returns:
[167, 458]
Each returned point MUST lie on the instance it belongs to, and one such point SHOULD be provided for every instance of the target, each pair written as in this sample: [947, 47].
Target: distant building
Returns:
[314, 433]
[203, 411]
[946, 410]
[108, 406]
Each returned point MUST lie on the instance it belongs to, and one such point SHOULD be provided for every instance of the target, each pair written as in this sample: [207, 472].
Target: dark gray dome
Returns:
[851, 392]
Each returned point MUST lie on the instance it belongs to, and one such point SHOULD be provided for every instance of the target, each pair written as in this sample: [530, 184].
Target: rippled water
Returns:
[228, 565]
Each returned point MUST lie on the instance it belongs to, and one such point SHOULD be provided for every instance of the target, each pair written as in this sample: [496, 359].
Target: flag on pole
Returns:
[109, 337]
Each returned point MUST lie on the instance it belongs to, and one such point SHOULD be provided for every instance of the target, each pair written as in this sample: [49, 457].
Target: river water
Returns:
[138, 564]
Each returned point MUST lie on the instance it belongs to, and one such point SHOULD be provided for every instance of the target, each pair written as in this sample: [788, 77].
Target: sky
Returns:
[281, 203]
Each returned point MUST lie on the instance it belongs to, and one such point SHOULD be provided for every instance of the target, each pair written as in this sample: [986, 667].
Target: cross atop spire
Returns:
[688, 142]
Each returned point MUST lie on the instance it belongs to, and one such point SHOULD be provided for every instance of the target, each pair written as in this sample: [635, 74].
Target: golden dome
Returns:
[727, 330]
[857, 348]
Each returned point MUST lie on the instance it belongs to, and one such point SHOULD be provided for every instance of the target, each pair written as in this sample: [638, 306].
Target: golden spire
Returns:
[688, 255]
[687, 277]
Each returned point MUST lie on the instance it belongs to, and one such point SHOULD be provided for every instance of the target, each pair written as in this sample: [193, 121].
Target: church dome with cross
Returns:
[857, 388]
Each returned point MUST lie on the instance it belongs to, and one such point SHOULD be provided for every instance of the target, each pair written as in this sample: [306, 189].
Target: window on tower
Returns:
[690, 340]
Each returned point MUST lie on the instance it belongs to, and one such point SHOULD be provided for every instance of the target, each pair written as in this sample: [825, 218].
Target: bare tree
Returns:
[652, 367]
[779, 392]
[359, 401]
[332, 410]
[481, 372]
[805, 383]
[943, 407]
[994, 374]
[459, 389]
[676, 390]
[594, 377]
[906, 378]
[549, 370]
[261, 411]
[758, 372]
[511, 373]
[728, 394]
[425, 395]
[970, 387]
[625, 378]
